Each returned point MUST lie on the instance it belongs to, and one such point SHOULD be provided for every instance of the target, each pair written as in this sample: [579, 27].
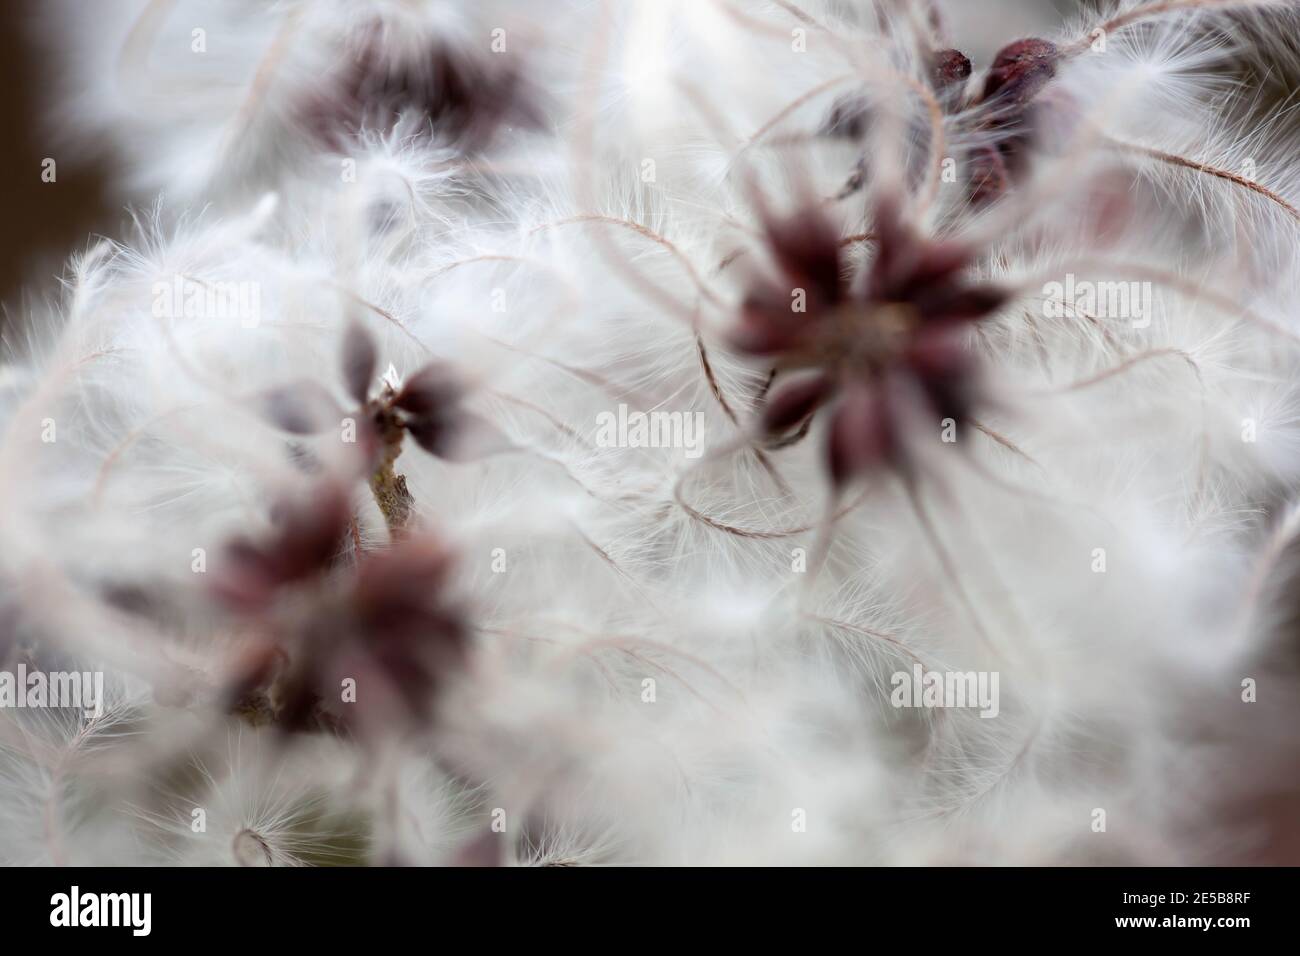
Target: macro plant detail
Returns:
[661, 432]
[381, 623]
[902, 330]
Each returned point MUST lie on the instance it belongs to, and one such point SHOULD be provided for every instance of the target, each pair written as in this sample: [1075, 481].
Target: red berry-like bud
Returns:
[950, 67]
[1020, 71]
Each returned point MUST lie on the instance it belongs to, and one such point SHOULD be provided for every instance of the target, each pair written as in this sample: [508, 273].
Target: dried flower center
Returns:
[389, 488]
[867, 338]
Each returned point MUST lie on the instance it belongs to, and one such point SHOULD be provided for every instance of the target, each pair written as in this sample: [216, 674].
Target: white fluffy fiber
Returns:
[562, 283]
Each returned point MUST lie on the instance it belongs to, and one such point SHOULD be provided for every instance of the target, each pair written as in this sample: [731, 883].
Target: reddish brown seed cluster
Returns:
[465, 98]
[866, 350]
[950, 68]
[1020, 71]
[359, 648]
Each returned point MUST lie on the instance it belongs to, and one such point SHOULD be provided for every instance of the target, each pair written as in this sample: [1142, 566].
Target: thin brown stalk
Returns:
[1223, 303]
[1004, 441]
[754, 533]
[1124, 366]
[617, 568]
[648, 233]
[1216, 171]
[1138, 14]
[262, 79]
[567, 430]
[715, 387]
[389, 488]
[800, 100]
[867, 632]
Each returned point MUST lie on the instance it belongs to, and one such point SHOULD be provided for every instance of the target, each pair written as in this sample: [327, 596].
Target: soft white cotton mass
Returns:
[670, 660]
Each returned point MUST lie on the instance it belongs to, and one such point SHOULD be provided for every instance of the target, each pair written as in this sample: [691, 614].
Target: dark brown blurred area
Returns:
[43, 222]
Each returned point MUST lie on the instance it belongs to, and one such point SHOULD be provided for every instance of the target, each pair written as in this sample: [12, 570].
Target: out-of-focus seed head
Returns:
[903, 325]
[394, 634]
[465, 97]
